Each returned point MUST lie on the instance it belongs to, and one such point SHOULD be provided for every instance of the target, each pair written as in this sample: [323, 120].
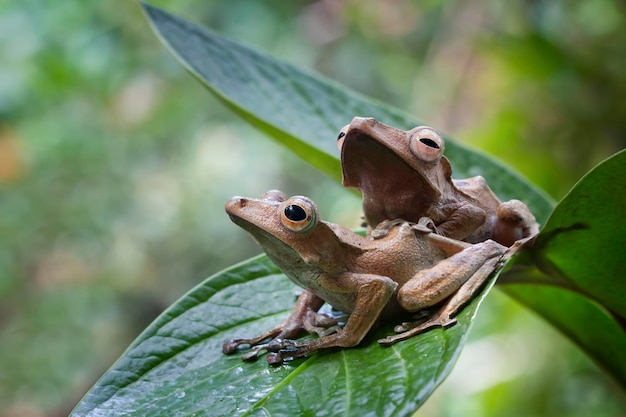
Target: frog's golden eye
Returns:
[426, 144]
[342, 134]
[298, 214]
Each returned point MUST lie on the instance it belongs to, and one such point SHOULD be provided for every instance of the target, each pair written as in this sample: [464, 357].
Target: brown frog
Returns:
[407, 270]
[404, 175]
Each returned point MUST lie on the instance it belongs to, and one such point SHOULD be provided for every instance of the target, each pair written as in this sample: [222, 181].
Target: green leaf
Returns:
[585, 322]
[583, 241]
[304, 111]
[580, 249]
[176, 367]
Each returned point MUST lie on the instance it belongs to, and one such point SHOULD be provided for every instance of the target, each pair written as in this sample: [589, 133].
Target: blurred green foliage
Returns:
[115, 163]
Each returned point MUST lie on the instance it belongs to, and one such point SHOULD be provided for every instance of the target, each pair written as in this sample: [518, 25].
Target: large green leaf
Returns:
[580, 248]
[582, 320]
[176, 367]
[305, 112]
[584, 240]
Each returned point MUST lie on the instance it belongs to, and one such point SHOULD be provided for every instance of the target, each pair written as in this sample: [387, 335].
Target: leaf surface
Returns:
[584, 240]
[176, 367]
[304, 111]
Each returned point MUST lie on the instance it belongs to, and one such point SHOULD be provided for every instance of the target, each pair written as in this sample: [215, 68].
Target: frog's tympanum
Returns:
[404, 175]
[406, 270]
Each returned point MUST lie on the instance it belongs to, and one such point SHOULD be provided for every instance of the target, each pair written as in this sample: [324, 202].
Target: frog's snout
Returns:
[363, 122]
[235, 203]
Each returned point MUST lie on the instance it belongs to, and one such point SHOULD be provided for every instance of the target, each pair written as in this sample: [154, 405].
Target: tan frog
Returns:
[404, 175]
[407, 270]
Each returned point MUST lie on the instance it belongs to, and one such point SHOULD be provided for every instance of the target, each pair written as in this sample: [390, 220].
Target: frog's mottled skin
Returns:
[406, 270]
[404, 175]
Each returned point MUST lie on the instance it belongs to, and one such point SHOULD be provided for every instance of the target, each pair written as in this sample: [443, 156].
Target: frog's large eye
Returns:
[298, 214]
[342, 134]
[426, 144]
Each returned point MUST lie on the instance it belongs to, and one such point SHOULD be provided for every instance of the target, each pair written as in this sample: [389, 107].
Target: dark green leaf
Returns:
[585, 322]
[580, 248]
[583, 242]
[176, 367]
[304, 111]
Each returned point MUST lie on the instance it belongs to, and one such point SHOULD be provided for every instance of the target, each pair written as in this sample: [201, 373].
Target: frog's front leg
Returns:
[372, 293]
[514, 221]
[307, 305]
[456, 278]
[461, 223]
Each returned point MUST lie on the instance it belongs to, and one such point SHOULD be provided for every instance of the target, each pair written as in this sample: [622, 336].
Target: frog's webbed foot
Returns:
[303, 315]
[281, 349]
[408, 330]
[233, 345]
[426, 225]
[277, 351]
[274, 343]
[322, 324]
[384, 228]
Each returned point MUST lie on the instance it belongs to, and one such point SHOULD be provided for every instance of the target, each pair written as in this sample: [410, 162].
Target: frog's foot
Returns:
[234, 345]
[285, 347]
[408, 330]
[514, 221]
[281, 349]
[384, 228]
[276, 344]
[322, 324]
[255, 352]
[273, 347]
[426, 225]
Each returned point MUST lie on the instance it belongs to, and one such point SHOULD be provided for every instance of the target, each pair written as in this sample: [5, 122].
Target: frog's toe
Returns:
[408, 330]
[277, 345]
[231, 346]
[281, 349]
[254, 354]
[276, 358]
[379, 233]
[384, 227]
[426, 225]
[324, 331]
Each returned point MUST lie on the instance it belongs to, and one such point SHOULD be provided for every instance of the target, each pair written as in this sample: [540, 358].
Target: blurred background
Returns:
[115, 165]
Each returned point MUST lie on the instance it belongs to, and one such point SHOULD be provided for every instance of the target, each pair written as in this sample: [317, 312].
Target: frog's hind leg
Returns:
[444, 317]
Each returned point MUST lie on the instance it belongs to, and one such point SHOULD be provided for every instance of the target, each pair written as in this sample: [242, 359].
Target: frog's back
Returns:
[401, 254]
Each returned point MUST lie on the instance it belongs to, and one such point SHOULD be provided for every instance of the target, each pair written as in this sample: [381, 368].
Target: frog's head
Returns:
[370, 149]
[288, 229]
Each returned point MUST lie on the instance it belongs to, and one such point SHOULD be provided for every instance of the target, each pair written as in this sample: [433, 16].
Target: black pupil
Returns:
[341, 134]
[295, 213]
[429, 142]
